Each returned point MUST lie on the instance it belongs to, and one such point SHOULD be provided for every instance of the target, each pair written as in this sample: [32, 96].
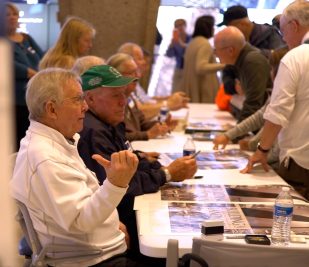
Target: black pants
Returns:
[125, 260]
[296, 176]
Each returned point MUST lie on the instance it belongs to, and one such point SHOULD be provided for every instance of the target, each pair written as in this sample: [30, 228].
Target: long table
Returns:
[159, 220]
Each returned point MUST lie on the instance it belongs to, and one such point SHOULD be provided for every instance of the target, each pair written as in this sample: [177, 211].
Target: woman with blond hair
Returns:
[27, 55]
[75, 40]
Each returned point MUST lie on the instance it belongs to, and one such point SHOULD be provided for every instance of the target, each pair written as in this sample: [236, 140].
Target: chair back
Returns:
[61, 253]
[232, 254]
[23, 217]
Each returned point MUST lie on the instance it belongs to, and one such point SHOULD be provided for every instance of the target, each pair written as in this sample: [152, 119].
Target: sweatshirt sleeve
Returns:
[70, 201]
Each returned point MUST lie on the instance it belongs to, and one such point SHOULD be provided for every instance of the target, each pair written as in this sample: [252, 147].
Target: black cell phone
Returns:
[257, 239]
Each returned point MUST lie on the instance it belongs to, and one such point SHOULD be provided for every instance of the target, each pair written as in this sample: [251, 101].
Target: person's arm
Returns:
[252, 123]
[136, 124]
[148, 177]
[268, 136]
[67, 198]
[150, 110]
[203, 62]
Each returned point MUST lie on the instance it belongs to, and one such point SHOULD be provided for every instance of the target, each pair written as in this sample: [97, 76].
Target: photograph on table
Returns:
[260, 217]
[220, 159]
[258, 193]
[223, 193]
[238, 218]
[188, 217]
[194, 127]
[194, 192]
[205, 136]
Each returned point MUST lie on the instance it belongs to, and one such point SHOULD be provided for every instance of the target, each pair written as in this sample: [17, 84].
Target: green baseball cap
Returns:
[104, 76]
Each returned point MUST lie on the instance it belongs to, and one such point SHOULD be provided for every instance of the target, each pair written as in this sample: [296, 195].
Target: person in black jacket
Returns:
[27, 55]
[104, 134]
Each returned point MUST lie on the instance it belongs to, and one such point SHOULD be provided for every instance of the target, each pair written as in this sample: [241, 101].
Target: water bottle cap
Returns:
[285, 189]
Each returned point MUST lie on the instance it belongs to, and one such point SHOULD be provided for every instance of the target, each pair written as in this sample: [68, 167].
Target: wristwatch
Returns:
[168, 176]
[262, 149]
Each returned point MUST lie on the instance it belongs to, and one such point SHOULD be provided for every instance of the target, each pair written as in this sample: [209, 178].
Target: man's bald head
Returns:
[228, 44]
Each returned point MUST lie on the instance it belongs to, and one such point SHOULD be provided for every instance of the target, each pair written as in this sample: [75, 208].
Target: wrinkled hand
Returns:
[157, 130]
[150, 156]
[182, 168]
[244, 144]
[121, 167]
[257, 157]
[220, 139]
[177, 101]
[123, 229]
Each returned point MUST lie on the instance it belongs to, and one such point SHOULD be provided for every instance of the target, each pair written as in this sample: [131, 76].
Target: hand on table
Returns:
[157, 130]
[222, 140]
[257, 157]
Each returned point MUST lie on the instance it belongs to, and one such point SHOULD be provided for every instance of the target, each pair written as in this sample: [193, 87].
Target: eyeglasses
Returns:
[76, 99]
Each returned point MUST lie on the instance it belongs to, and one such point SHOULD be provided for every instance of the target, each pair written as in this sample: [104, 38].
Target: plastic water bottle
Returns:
[189, 147]
[164, 111]
[283, 212]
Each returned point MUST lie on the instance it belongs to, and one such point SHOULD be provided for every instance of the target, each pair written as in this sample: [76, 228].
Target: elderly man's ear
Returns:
[89, 97]
[51, 110]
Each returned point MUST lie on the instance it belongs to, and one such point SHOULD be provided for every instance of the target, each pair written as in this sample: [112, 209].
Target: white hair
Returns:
[46, 85]
[298, 10]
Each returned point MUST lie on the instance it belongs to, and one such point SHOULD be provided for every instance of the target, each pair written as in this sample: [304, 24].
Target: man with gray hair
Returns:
[65, 201]
[150, 105]
[84, 63]
[287, 115]
[252, 67]
[138, 127]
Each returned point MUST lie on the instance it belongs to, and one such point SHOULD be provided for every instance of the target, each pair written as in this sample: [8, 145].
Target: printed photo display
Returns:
[194, 127]
[222, 159]
[223, 193]
[238, 218]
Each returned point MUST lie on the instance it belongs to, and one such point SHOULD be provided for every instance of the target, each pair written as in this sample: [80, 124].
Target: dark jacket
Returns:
[136, 123]
[254, 75]
[27, 54]
[265, 37]
[101, 138]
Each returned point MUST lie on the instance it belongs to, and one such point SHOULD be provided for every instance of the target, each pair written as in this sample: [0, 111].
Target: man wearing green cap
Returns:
[104, 134]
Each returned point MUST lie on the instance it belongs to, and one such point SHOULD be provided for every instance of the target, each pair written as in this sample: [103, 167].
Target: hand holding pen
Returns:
[193, 156]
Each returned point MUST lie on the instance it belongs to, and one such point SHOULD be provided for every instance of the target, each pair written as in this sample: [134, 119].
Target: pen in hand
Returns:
[195, 154]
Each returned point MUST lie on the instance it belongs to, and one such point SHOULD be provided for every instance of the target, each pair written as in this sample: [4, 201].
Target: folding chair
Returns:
[229, 254]
[40, 254]
[172, 257]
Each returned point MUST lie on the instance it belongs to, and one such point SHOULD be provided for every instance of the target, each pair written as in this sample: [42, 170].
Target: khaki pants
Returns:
[296, 176]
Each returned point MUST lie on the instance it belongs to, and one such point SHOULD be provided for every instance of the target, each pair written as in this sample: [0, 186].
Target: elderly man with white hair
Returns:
[65, 201]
